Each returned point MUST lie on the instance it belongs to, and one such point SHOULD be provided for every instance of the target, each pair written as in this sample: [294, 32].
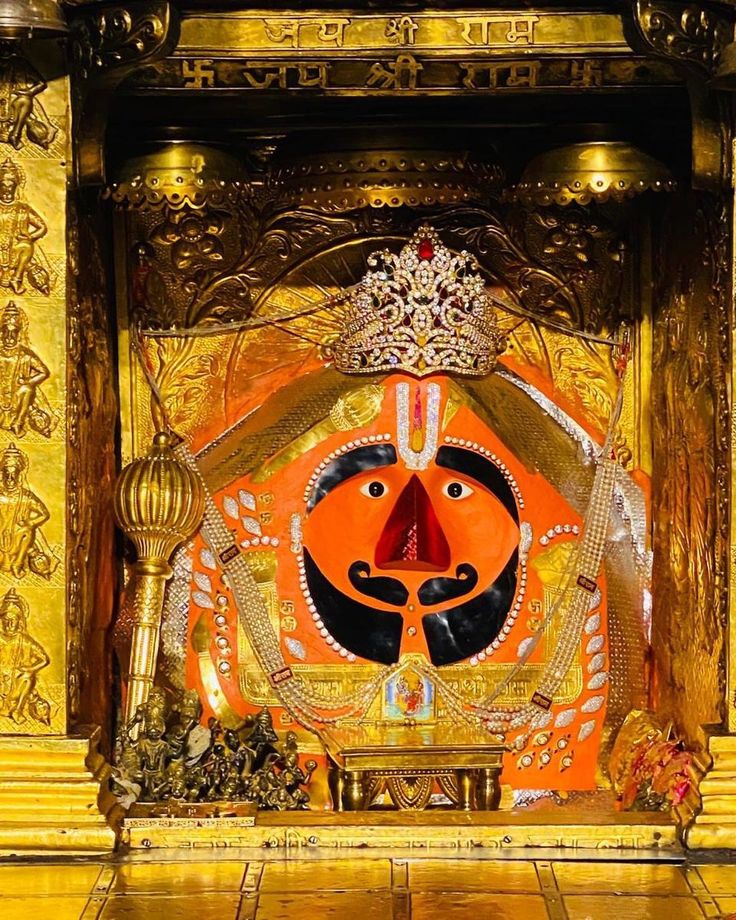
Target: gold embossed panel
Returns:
[34, 159]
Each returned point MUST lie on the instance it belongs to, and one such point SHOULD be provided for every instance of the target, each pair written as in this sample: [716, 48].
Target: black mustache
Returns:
[392, 591]
[370, 633]
[437, 590]
[380, 587]
[467, 628]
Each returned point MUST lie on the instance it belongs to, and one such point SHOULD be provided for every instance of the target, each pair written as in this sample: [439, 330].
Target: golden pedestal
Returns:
[444, 831]
[714, 804]
[53, 795]
[406, 755]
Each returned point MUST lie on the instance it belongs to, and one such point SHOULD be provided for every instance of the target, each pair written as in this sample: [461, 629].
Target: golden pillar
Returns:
[57, 418]
[50, 770]
[712, 810]
[159, 502]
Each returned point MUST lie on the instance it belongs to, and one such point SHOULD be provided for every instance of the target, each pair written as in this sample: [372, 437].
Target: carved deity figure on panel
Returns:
[21, 659]
[21, 111]
[22, 514]
[150, 299]
[20, 229]
[22, 372]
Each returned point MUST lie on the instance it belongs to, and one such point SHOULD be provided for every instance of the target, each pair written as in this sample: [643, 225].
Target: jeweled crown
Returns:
[422, 311]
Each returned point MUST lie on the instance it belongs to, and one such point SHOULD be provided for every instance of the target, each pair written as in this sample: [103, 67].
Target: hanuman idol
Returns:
[23, 404]
[400, 534]
[21, 227]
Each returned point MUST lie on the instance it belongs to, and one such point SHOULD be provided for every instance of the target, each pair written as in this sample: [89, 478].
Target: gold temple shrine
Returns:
[366, 458]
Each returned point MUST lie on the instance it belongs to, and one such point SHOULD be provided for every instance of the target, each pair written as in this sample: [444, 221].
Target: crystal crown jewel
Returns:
[422, 311]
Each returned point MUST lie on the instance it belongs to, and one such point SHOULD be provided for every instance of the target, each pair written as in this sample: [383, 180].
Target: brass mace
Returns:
[159, 503]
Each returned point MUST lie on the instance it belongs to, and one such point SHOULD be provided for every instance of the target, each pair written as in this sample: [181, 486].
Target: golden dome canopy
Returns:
[159, 501]
[391, 176]
[596, 171]
[178, 175]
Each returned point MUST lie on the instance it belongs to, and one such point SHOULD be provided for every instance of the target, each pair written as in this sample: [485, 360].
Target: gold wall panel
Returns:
[92, 412]
[34, 160]
[690, 430]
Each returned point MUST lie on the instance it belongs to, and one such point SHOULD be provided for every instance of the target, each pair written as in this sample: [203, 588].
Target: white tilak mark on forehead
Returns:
[417, 460]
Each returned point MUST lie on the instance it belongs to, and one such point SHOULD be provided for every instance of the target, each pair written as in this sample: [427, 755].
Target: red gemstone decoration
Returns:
[425, 250]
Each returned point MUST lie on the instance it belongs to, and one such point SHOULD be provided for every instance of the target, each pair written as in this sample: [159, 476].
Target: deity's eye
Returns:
[374, 489]
[457, 490]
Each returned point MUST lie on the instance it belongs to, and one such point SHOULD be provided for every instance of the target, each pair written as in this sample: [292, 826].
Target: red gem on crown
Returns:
[425, 250]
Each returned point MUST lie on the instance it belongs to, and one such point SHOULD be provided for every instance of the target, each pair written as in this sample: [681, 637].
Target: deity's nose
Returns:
[412, 537]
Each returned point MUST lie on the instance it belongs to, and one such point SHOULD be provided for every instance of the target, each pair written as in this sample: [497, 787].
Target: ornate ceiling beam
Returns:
[693, 37]
[108, 43]
[685, 33]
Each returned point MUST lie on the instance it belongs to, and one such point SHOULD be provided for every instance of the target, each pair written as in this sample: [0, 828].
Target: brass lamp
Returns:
[596, 171]
[26, 18]
[159, 503]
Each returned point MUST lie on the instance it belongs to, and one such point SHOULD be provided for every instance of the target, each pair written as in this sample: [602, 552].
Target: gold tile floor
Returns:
[224, 886]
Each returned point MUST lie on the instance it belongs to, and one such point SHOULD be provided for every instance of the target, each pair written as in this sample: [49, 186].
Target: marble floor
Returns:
[366, 887]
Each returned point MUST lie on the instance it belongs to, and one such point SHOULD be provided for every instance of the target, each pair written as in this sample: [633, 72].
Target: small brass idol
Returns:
[166, 756]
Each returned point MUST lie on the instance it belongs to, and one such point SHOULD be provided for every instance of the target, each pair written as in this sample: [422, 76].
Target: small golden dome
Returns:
[599, 171]
[178, 175]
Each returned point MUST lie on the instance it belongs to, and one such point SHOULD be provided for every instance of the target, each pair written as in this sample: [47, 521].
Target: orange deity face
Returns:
[412, 547]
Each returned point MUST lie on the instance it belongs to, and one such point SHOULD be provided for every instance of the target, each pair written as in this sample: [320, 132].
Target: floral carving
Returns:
[570, 236]
[118, 36]
[194, 238]
[685, 32]
[182, 379]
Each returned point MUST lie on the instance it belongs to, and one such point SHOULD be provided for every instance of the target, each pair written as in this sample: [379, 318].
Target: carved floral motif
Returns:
[194, 238]
[119, 35]
[685, 32]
